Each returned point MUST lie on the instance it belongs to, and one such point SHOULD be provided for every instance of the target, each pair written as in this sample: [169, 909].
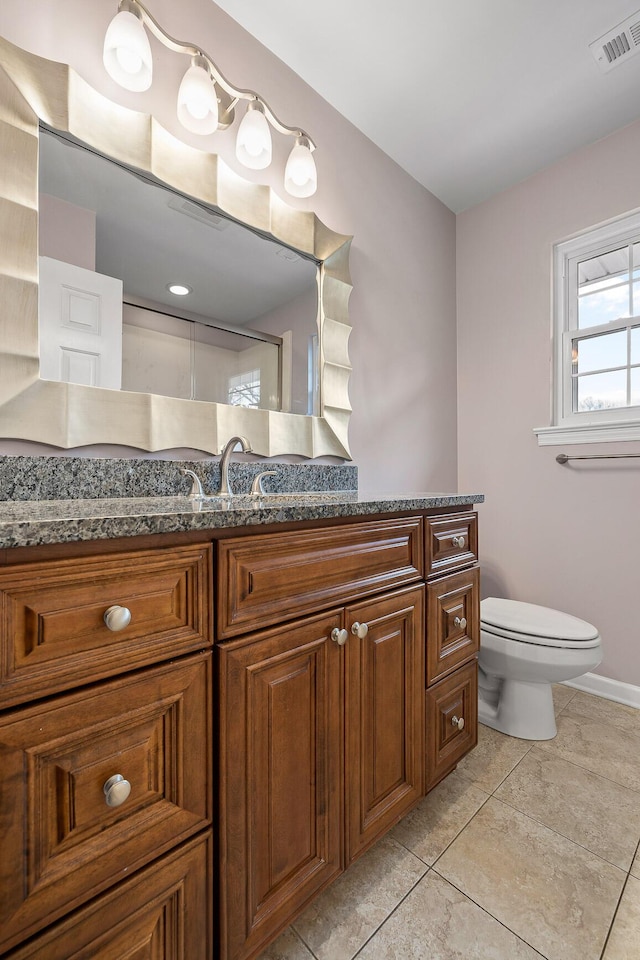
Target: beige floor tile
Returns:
[605, 711]
[493, 759]
[549, 891]
[438, 922]
[601, 815]
[600, 747]
[343, 918]
[635, 867]
[561, 696]
[431, 826]
[288, 946]
[624, 940]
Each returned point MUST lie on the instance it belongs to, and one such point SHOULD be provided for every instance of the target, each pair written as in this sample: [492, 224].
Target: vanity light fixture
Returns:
[179, 289]
[206, 99]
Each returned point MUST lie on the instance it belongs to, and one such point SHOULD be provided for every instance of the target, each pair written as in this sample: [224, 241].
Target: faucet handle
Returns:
[257, 486]
[196, 492]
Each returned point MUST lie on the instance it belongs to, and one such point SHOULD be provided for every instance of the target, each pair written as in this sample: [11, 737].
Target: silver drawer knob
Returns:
[458, 542]
[116, 790]
[340, 636]
[360, 630]
[117, 618]
[460, 622]
[457, 722]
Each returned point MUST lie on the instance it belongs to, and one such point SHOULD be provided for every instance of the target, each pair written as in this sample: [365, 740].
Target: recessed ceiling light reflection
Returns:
[179, 289]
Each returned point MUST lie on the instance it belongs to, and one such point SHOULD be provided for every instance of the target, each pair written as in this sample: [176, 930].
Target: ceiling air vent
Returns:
[618, 44]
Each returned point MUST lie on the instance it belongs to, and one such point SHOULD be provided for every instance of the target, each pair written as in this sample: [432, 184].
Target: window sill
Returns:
[588, 433]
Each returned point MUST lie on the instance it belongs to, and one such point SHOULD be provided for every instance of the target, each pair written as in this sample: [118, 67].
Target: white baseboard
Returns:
[626, 693]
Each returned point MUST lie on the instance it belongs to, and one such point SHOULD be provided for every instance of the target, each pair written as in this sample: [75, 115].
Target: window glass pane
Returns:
[601, 391]
[601, 352]
[635, 345]
[636, 259]
[635, 387]
[602, 271]
[635, 310]
[603, 306]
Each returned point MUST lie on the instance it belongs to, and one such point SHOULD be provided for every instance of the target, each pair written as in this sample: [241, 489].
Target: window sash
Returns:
[568, 334]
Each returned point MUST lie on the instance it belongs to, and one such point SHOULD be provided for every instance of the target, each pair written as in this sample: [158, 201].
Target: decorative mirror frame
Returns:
[66, 415]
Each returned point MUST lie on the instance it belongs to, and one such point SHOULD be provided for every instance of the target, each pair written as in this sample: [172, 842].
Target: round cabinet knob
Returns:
[457, 722]
[360, 630]
[116, 790]
[458, 542]
[117, 618]
[340, 636]
[460, 622]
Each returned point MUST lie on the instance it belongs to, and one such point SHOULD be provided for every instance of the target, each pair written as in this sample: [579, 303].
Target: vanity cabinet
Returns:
[99, 780]
[165, 796]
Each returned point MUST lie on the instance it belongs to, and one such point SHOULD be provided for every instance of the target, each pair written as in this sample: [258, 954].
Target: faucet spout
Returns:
[225, 487]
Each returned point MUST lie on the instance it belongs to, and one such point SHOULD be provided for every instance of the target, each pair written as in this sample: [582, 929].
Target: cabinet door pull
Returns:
[458, 542]
[117, 618]
[116, 790]
[360, 630]
[457, 722]
[460, 622]
[340, 636]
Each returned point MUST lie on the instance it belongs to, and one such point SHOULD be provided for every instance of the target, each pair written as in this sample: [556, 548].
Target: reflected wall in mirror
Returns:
[241, 330]
[68, 412]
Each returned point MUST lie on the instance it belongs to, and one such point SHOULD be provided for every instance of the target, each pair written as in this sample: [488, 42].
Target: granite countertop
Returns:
[26, 523]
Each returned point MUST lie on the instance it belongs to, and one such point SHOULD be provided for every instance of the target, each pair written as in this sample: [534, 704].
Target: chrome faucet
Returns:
[225, 487]
[196, 492]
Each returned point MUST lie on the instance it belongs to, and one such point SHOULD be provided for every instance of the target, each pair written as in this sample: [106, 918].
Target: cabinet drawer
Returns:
[451, 542]
[453, 622]
[61, 844]
[452, 721]
[53, 635]
[164, 912]
[265, 579]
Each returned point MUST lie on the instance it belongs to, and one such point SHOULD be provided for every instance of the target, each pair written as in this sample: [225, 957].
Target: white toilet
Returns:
[525, 648]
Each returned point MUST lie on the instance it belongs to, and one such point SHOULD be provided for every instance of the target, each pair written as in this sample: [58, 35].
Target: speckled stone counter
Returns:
[88, 478]
[31, 523]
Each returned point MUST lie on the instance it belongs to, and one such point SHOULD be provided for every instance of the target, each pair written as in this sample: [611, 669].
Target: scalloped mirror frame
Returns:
[67, 415]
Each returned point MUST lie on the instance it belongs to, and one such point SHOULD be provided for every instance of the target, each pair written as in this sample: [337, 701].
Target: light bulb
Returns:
[300, 175]
[197, 99]
[127, 52]
[253, 144]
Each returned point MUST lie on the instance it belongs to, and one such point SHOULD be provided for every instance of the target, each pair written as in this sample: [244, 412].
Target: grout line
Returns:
[615, 912]
[410, 891]
[489, 914]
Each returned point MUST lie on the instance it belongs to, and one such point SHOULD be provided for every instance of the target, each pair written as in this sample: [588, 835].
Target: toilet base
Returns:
[519, 708]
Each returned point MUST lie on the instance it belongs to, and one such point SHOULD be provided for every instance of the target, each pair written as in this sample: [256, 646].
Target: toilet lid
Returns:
[530, 620]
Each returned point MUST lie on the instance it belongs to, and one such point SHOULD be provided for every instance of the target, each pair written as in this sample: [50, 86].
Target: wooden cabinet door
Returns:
[452, 721]
[453, 622]
[281, 780]
[163, 913]
[384, 714]
[60, 841]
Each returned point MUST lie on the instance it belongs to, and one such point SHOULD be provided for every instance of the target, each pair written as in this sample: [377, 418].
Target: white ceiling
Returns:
[468, 96]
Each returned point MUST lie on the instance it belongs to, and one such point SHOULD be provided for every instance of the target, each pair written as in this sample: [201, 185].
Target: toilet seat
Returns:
[530, 623]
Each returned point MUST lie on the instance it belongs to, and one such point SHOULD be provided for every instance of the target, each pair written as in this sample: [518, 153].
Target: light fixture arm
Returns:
[236, 94]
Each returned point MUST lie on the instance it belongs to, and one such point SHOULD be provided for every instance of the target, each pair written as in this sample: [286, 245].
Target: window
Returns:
[597, 336]
[244, 389]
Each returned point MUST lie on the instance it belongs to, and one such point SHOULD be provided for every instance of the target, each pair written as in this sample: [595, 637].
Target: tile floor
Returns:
[527, 850]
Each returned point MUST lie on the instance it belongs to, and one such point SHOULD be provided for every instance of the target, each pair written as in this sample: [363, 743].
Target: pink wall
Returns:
[562, 536]
[403, 345]
[66, 232]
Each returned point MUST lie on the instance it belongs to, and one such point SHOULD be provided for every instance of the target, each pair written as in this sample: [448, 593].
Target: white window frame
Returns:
[593, 426]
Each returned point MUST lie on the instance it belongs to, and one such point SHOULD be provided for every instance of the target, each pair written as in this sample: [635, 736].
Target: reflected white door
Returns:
[80, 319]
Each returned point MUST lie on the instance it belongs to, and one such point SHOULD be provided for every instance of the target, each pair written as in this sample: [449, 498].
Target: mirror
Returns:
[242, 329]
[34, 91]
